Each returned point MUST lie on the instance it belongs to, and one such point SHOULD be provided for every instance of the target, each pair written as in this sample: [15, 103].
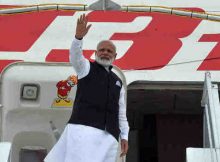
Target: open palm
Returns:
[82, 28]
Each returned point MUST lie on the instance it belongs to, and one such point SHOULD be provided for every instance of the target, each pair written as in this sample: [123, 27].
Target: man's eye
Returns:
[108, 50]
[101, 50]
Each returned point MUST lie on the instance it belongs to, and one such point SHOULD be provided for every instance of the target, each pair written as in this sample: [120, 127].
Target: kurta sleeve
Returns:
[123, 123]
[78, 61]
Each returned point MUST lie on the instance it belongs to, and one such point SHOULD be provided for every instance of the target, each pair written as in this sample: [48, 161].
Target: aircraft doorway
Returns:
[164, 121]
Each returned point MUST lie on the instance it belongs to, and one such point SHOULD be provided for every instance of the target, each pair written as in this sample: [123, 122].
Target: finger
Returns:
[87, 18]
[126, 147]
[80, 19]
[84, 17]
[88, 27]
[122, 146]
[122, 149]
[85, 23]
[122, 154]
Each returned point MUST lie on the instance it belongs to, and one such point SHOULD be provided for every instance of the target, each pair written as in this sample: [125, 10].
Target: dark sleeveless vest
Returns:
[96, 102]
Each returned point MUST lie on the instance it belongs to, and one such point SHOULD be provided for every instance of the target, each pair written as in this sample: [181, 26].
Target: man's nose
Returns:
[106, 52]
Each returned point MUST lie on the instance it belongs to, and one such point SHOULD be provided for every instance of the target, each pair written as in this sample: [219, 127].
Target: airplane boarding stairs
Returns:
[211, 126]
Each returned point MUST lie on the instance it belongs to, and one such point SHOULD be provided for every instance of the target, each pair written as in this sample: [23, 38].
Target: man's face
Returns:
[106, 53]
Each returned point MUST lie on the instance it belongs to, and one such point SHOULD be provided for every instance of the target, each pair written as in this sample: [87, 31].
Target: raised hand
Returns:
[81, 27]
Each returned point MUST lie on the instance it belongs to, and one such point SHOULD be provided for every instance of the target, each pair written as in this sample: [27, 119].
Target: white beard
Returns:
[104, 62]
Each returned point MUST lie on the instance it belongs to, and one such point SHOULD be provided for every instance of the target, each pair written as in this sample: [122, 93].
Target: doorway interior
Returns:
[164, 120]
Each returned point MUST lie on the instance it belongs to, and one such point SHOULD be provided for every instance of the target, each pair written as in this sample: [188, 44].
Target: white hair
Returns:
[109, 41]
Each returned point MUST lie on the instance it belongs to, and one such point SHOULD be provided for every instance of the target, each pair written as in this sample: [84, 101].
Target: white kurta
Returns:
[80, 143]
